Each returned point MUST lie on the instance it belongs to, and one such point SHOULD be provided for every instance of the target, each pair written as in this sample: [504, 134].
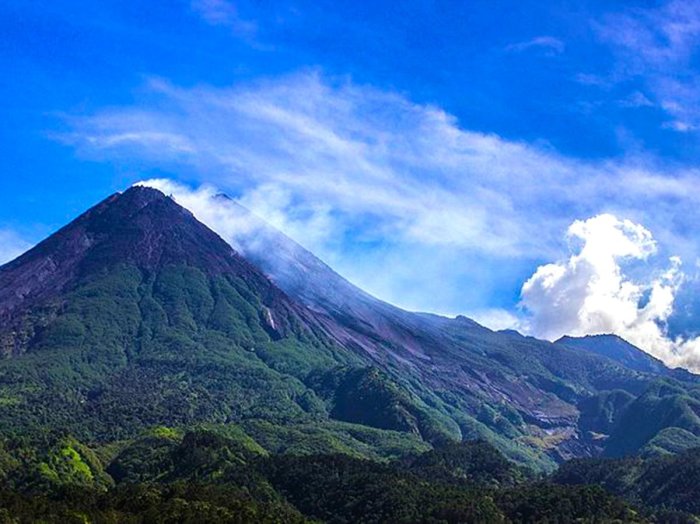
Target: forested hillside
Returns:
[148, 371]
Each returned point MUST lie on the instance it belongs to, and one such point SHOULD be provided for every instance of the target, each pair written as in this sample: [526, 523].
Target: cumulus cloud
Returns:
[11, 245]
[592, 293]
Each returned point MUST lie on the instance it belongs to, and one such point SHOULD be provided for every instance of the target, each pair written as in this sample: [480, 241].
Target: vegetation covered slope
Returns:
[663, 481]
[137, 315]
[221, 474]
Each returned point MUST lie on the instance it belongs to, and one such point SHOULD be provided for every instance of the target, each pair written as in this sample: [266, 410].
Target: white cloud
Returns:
[224, 13]
[170, 141]
[11, 245]
[408, 170]
[588, 292]
[636, 99]
[234, 224]
[658, 46]
[659, 36]
[680, 126]
[497, 319]
[367, 179]
[550, 44]
[592, 293]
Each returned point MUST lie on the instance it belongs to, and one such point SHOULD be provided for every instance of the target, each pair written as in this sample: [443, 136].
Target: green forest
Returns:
[223, 474]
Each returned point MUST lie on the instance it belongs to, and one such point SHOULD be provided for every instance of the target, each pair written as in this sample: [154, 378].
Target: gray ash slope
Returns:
[136, 299]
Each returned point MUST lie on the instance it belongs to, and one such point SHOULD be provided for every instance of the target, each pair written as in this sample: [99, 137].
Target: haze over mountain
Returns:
[136, 314]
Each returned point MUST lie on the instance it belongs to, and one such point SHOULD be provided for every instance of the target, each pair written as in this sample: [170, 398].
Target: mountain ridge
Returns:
[618, 349]
[137, 314]
[299, 277]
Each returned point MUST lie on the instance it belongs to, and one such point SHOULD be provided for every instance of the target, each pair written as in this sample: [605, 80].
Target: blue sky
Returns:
[439, 154]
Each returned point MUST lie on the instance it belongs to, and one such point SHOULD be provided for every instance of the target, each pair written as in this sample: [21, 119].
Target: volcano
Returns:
[137, 315]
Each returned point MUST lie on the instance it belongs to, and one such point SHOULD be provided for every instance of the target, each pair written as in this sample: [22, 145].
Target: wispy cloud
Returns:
[548, 44]
[11, 245]
[168, 141]
[309, 144]
[636, 99]
[224, 13]
[368, 180]
[658, 46]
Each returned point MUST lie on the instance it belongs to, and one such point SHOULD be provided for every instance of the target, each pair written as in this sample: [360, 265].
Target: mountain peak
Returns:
[146, 227]
[144, 194]
[122, 204]
[140, 227]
